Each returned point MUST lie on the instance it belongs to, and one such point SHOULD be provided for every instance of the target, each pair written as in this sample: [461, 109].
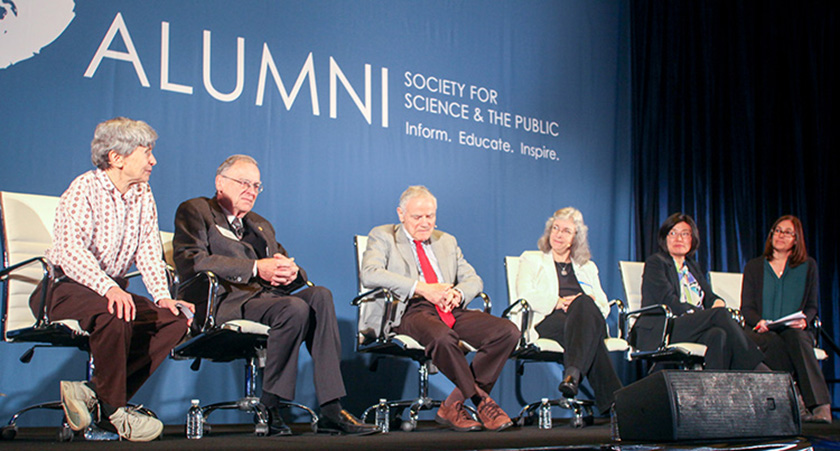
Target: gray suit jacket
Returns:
[388, 262]
[204, 242]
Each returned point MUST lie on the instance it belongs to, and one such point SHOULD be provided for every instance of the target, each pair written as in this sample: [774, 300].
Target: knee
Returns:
[289, 311]
[797, 337]
[715, 336]
[503, 331]
[321, 297]
[586, 311]
[114, 328]
[445, 340]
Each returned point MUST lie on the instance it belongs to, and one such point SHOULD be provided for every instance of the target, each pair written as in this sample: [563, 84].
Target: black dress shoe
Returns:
[345, 423]
[276, 425]
[569, 386]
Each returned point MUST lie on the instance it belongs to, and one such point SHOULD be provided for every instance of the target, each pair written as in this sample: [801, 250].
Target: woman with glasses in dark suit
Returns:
[782, 281]
[673, 278]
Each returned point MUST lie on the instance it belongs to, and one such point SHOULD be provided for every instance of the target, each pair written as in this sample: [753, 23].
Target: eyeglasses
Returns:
[786, 233]
[675, 234]
[247, 184]
[567, 232]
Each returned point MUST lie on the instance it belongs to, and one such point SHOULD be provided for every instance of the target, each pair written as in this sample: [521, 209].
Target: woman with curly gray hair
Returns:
[562, 286]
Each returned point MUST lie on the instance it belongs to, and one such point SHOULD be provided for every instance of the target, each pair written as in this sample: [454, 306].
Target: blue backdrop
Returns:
[505, 110]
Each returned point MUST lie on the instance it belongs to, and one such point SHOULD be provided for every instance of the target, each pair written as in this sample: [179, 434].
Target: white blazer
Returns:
[537, 283]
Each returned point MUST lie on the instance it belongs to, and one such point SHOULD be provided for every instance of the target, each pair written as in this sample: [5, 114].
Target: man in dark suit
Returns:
[424, 267]
[258, 282]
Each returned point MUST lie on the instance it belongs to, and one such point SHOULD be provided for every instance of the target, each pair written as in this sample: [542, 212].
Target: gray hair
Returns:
[122, 135]
[580, 244]
[233, 159]
[415, 191]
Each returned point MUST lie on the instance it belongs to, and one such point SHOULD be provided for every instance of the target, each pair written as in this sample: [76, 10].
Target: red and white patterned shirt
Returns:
[100, 233]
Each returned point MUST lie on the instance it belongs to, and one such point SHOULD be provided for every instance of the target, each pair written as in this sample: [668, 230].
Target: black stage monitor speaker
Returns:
[698, 405]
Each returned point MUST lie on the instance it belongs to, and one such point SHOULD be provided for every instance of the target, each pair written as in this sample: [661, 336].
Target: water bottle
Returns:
[195, 421]
[545, 414]
[383, 415]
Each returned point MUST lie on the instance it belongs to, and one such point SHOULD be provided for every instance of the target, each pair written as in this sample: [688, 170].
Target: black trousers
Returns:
[792, 350]
[493, 337]
[728, 347]
[307, 316]
[581, 331]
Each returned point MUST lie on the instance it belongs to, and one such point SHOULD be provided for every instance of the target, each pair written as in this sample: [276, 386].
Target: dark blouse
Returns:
[783, 295]
[568, 284]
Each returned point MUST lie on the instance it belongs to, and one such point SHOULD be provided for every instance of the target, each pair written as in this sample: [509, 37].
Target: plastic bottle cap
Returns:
[194, 401]
[383, 400]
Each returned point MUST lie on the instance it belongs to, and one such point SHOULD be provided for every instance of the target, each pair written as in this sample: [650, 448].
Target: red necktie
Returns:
[430, 276]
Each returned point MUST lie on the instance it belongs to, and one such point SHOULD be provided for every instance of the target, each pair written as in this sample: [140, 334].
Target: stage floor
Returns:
[428, 436]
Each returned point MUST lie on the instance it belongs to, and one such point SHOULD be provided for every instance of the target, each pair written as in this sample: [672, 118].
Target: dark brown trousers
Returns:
[494, 338]
[125, 353]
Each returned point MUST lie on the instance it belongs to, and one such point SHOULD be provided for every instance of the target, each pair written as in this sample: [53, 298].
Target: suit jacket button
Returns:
[239, 279]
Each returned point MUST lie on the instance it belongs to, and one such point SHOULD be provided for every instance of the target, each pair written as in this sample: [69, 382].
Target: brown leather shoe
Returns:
[821, 414]
[456, 417]
[492, 416]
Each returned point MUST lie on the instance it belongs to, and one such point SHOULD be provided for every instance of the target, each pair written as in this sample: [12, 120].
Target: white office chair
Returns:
[374, 336]
[233, 340]
[26, 225]
[533, 349]
[684, 354]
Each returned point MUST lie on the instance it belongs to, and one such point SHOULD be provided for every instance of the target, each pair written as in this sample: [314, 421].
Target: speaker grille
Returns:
[691, 405]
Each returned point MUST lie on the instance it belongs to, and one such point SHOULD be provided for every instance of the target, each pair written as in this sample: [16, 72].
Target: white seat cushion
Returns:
[695, 349]
[409, 343]
[246, 327]
[616, 344]
[821, 355]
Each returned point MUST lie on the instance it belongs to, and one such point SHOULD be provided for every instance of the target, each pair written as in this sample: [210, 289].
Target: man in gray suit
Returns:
[425, 269]
[258, 283]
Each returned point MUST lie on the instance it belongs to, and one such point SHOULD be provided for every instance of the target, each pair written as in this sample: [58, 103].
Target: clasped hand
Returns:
[563, 303]
[277, 270]
[442, 295]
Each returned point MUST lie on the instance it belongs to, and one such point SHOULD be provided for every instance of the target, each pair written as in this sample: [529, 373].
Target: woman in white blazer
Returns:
[562, 287]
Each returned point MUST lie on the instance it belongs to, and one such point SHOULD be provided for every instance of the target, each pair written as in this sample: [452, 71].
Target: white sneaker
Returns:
[78, 400]
[135, 426]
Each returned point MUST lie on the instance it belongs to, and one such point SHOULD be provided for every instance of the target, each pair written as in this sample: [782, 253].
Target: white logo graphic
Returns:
[27, 26]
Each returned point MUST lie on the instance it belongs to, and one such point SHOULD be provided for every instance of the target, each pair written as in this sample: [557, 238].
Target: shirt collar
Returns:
[230, 216]
[411, 239]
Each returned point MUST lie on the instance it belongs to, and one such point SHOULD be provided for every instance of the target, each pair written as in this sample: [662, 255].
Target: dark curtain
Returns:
[735, 122]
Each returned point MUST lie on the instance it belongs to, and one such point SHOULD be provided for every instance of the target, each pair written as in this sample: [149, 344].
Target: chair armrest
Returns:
[525, 322]
[390, 304]
[357, 301]
[201, 289]
[651, 310]
[622, 311]
[46, 280]
[737, 316]
[488, 306]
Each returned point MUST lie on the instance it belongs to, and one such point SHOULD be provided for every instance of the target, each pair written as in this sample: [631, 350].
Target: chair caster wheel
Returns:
[65, 434]
[261, 430]
[407, 426]
[8, 432]
[576, 422]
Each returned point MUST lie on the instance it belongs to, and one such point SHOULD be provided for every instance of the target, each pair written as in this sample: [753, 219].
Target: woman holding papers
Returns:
[782, 282]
